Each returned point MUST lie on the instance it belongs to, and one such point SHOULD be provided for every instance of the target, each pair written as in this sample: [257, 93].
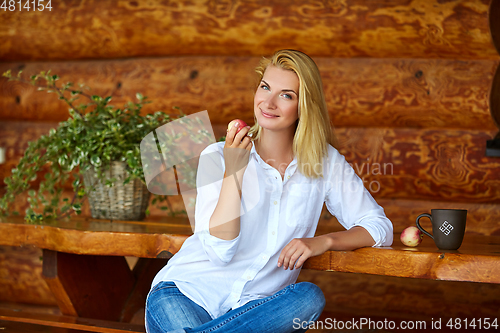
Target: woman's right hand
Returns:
[237, 151]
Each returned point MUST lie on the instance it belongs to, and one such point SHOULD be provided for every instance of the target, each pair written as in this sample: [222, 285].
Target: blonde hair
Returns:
[314, 131]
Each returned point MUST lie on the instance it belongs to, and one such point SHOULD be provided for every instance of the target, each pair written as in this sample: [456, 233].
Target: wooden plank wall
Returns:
[408, 86]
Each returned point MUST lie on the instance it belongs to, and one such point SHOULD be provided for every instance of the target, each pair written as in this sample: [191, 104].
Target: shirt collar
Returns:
[253, 154]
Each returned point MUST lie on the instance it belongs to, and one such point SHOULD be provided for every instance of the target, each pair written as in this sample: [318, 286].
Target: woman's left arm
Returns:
[355, 209]
[295, 253]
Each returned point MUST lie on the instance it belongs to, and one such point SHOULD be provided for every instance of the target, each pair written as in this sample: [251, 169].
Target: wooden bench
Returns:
[85, 268]
[26, 322]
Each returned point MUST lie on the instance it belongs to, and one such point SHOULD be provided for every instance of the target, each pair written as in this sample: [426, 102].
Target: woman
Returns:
[260, 196]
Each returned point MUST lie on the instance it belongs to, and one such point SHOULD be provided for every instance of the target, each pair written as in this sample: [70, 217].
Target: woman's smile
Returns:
[267, 114]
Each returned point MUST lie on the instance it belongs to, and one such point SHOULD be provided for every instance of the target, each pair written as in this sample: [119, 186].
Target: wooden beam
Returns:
[67, 324]
[357, 28]
[360, 92]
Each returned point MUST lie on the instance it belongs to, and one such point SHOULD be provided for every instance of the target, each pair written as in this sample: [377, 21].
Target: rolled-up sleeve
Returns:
[208, 185]
[351, 203]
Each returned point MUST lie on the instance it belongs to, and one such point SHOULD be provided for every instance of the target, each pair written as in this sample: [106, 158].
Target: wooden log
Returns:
[425, 164]
[21, 276]
[481, 218]
[116, 29]
[495, 98]
[359, 92]
[404, 163]
[494, 23]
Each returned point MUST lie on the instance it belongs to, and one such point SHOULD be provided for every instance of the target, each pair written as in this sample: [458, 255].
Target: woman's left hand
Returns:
[295, 253]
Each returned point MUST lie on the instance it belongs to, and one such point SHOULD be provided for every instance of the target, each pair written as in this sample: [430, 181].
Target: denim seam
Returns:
[157, 288]
[265, 300]
[151, 318]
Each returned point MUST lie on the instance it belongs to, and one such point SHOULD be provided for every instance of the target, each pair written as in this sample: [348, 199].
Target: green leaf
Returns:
[95, 160]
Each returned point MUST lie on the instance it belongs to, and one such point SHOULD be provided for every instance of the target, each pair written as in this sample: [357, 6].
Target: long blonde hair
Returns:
[314, 131]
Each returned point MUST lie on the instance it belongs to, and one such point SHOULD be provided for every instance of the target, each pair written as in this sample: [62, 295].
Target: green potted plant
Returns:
[98, 145]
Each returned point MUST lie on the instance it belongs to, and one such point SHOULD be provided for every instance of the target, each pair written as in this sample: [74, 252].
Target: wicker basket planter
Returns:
[118, 202]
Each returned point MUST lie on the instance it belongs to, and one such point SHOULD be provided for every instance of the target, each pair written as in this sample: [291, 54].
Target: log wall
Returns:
[412, 87]
[334, 28]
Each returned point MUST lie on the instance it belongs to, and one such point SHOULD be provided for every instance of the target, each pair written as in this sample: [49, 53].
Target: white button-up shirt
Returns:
[222, 274]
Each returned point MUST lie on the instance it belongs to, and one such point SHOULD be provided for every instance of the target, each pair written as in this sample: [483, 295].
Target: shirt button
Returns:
[274, 233]
[248, 277]
[276, 202]
[263, 257]
[288, 177]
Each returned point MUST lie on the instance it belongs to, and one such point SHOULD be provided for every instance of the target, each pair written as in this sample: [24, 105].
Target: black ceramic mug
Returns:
[448, 227]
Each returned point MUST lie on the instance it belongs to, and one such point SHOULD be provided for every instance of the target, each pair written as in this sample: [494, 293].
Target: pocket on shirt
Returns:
[301, 205]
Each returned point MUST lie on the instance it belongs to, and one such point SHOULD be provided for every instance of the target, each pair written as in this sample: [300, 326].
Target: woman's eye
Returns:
[264, 87]
[287, 96]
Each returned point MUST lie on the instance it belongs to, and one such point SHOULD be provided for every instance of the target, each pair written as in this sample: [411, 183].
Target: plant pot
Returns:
[118, 202]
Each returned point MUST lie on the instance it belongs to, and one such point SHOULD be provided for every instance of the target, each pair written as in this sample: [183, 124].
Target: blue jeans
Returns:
[168, 310]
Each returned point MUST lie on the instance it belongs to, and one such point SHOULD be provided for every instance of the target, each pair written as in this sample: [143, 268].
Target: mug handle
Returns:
[420, 227]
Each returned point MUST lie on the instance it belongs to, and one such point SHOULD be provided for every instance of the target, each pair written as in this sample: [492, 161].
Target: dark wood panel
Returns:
[88, 286]
[356, 28]
[359, 92]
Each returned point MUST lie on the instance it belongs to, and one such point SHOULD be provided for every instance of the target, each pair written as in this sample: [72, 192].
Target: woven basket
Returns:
[118, 202]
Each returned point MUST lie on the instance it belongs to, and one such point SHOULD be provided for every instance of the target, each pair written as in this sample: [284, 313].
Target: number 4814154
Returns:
[479, 323]
[26, 5]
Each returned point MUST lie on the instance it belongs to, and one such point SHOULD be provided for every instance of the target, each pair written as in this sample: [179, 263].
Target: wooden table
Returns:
[85, 268]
